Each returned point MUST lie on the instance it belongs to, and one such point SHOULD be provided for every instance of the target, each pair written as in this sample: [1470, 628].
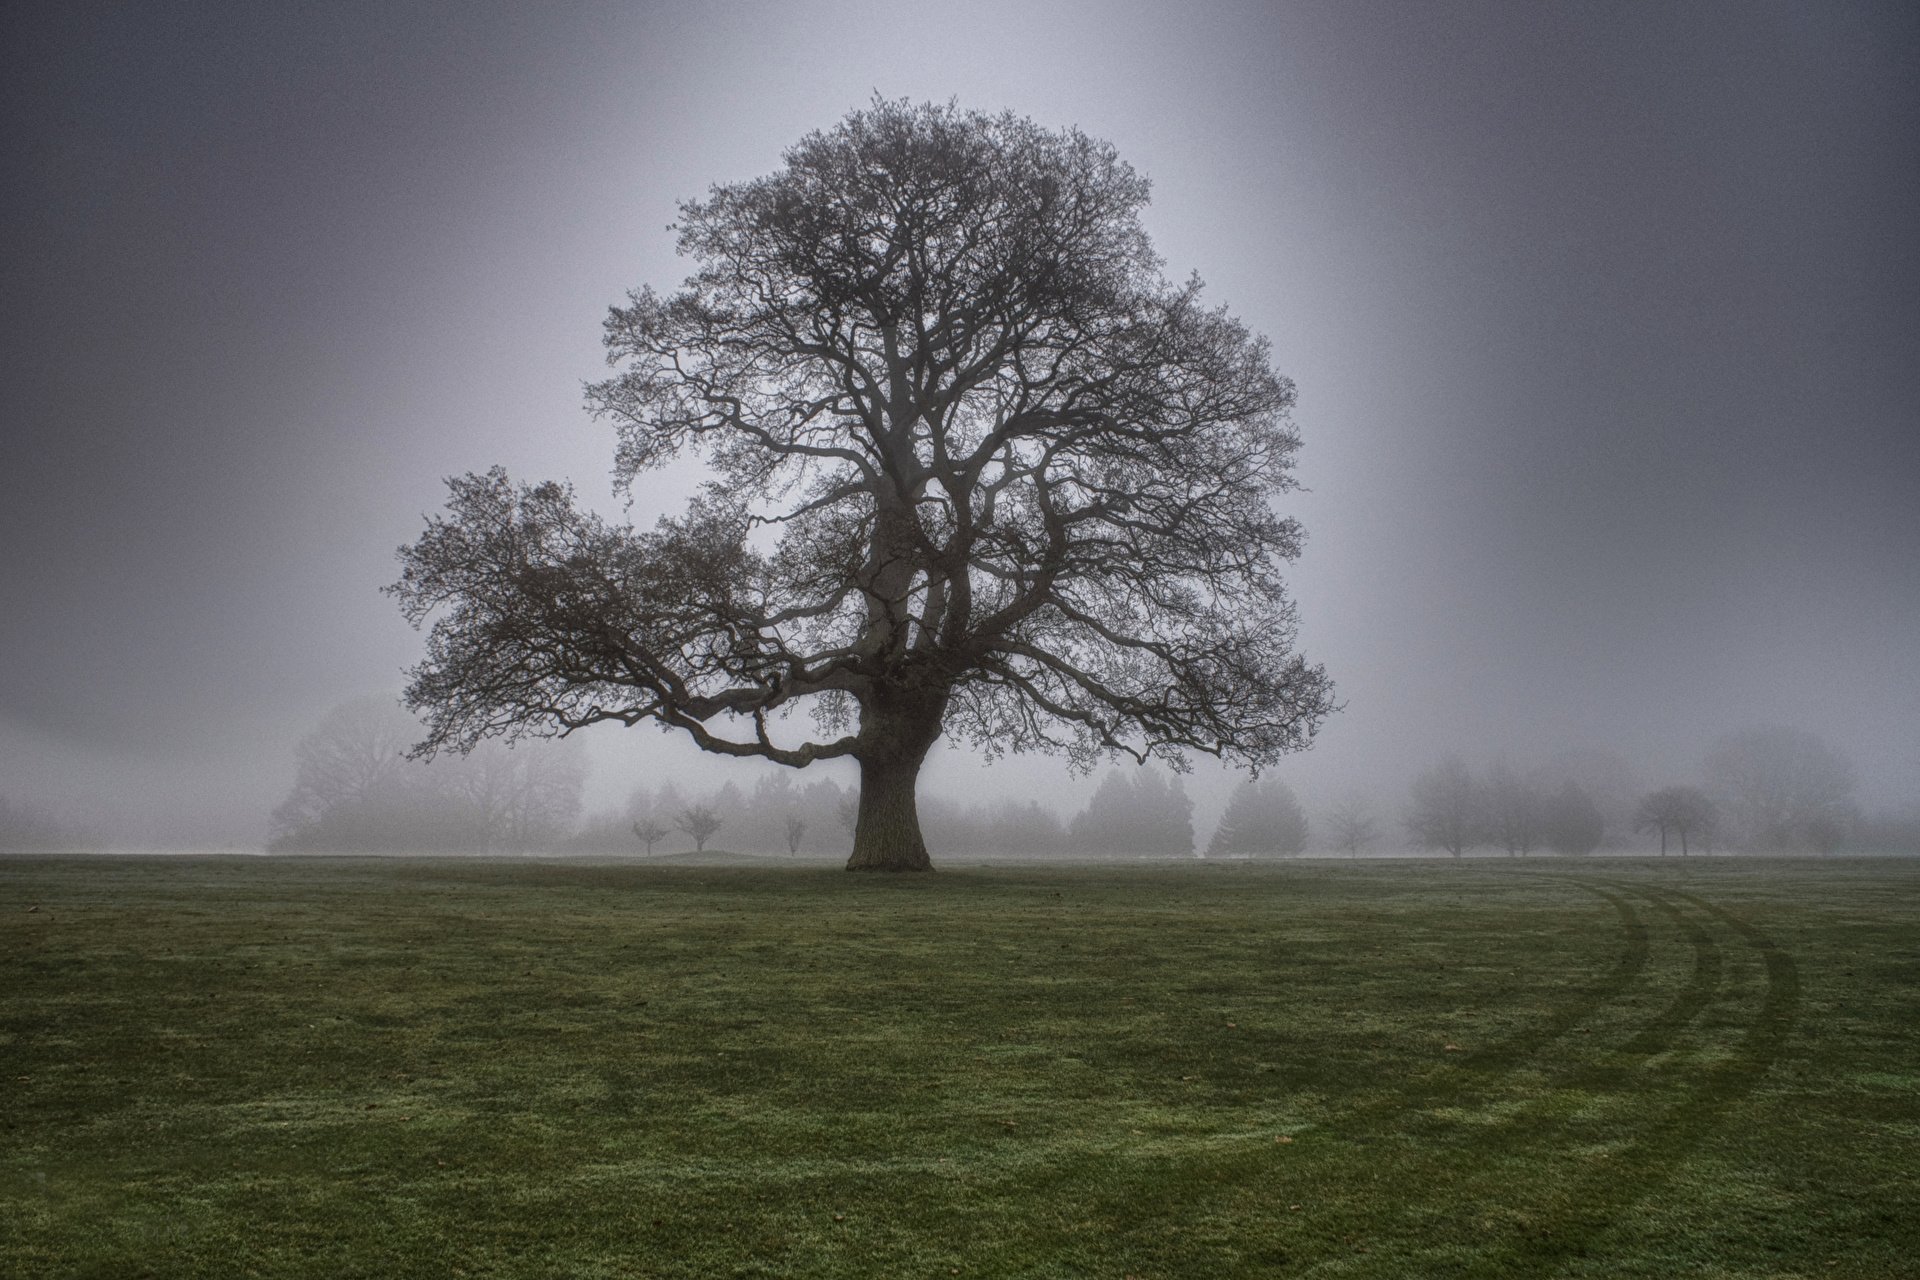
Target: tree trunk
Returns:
[895, 737]
[886, 836]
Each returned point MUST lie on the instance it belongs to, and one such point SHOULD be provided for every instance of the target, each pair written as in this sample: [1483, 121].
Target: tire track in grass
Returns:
[1203, 1178]
[1631, 1173]
[1510, 1052]
[1658, 1035]
[1544, 1120]
[1543, 1240]
[1627, 968]
[1668, 1110]
[1651, 1160]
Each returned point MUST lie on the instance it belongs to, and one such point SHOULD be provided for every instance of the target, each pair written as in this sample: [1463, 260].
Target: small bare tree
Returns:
[699, 821]
[650, 831]
[796, 828]
[1350, 824]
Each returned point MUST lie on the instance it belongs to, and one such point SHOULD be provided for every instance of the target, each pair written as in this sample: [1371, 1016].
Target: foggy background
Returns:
[1603, 318]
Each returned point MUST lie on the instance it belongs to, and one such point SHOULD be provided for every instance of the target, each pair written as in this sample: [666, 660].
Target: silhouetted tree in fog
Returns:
[1782, 789]
[1449, 808]
[698, 821]
[1684, 811]
[650, 831]
[1515, 807]
[351, 764]
[356, 791]
[796, 828]
[1135, 813]
[520, 800]
[1350, 826]
[1263, 817]
[1571, 822]
[1020, 488]
[1605, 777]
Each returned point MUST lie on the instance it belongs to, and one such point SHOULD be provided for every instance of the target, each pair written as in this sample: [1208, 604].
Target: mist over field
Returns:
[1605, 325]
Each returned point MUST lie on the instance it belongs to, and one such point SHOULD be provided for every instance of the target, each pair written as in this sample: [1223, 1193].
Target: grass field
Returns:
[1399, 1069]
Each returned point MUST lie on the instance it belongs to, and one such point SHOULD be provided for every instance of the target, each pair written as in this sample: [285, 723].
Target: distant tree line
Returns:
[775, 815]
[1140, 813]
[356, 791]
[1452, 811]
[1760, 790]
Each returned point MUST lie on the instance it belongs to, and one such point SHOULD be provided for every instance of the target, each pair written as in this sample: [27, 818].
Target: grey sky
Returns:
[1606, 321]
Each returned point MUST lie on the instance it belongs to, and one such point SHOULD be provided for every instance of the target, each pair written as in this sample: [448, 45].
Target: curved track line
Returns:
[1653, 1158]
[1667, 1136]
[1627, 968]
[1510, 1051]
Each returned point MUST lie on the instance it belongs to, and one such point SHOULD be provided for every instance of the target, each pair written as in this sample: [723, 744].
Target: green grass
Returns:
[362, 1068]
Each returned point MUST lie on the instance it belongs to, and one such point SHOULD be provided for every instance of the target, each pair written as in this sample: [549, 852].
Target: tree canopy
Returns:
[978, 468]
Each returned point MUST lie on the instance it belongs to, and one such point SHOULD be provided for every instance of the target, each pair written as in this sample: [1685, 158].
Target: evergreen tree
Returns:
[1263, 819]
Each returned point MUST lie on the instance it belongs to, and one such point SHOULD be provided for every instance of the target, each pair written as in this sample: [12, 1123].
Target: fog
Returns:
[1606, 324]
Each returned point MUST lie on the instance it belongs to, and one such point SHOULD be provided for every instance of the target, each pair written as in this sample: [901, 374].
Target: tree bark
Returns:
[895, 739]
[886, 836]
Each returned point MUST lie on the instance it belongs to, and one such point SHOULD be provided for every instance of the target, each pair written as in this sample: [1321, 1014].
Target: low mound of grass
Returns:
[364, 1068]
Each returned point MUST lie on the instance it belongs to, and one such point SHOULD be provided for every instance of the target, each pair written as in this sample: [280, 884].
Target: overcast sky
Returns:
[1605, 318]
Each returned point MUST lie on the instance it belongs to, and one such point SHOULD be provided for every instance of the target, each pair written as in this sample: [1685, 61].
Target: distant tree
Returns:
[1351, 827]
[1022, 485]
[1021, 829]
[1607, 778]
[1449, 808]
[796, 828]
[1263, 817]
[602, 832]
[822, 803]
[1571, 822]
[1683, 811]
[759, 825]
[1782, 789]
[650, 831]
[698, 821]
[1136, 813]
[519, 800]
[1515, 807]
[356, 791]
[351, 764]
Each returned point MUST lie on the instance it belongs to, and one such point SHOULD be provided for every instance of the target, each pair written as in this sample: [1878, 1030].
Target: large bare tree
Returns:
[980, 469]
